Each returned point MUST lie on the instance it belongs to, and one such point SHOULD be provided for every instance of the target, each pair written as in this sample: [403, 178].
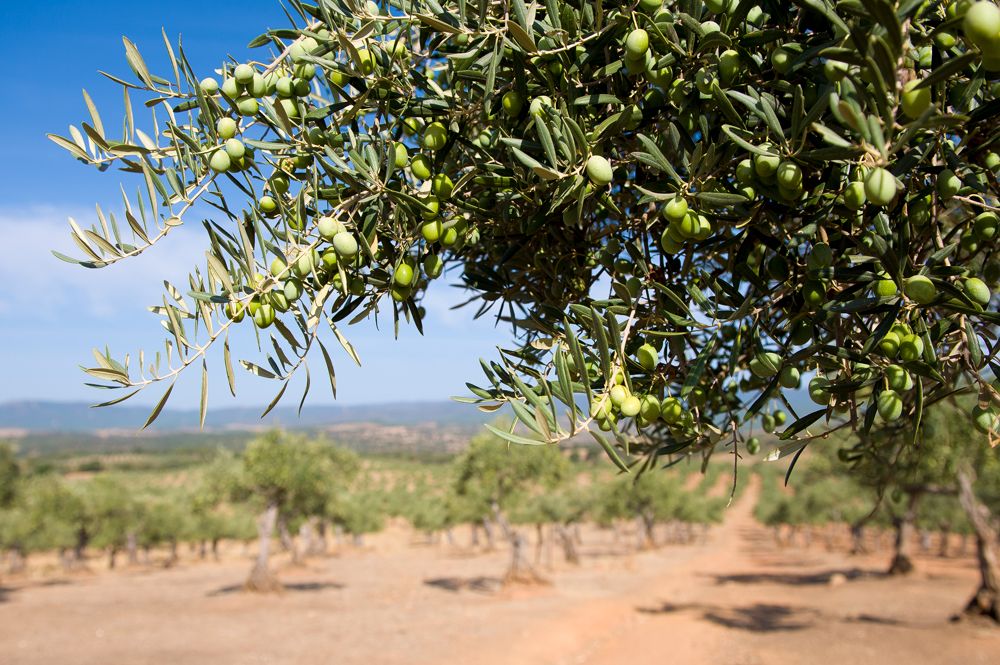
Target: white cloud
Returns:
[37, 280]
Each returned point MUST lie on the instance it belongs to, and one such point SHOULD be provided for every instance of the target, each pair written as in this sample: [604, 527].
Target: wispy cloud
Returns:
[39, 281]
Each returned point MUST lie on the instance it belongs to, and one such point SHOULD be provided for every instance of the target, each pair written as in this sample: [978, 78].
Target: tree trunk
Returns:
[202, 549]
[319, 545]
[986, 602]
[112, 555]
[215, 548]
[520, 570]
[925, 541]
[539, 542]
[82, 540]
[132, 548]
[568, 544]
[287, 543]
[474, 538]
[261, 578]
[858, 538]
[647, 539]
[306, 538]
[902, 561]
[490, 539]
[16, 561]
[358, 539]
[173, 558]
[449, 536]
[945, 537]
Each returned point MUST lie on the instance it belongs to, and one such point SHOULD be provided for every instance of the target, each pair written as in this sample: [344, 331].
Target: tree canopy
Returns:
[681, 209]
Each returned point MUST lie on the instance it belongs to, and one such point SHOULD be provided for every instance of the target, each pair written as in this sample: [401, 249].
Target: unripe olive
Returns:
[292, 290]
[329, 227]
[512, 103]
[431, 231]
[675, 209]
[890, 405]
[433, 265]
[915, 101]
[243, 74]
[977, 291]
[986, 224]
[306, 263]
[637, 43]
[911, 347]
[897, 377]
[209, 86]
[403, 276]
[235, 149]
[435, 136]
[219, 162]
[985, 420]
[248, 106]
[230, 88]
[920, 289]
[236, 311]
[630, 406]
[729, 65]
[835, 70]
[345, 244]
[789, 377]
[765, 365]
[226, 128]
[400, 155]
[819, 390]
[981, 26]
[599, 170]
[442, 186]
[948, 184]
[538, 104]
[649, 408]
[753, 445]
[781, 60]
[647, 357]
[880, 187]
[420, 165]
[766, 165]
[854, 195]
[789, 175]
[430, 208]
[264, 316]
[618, 394]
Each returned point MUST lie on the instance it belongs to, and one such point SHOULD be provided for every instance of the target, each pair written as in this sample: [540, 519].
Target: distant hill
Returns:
[41, 416]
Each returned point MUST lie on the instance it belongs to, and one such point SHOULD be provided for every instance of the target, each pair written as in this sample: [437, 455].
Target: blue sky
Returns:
[52, 313]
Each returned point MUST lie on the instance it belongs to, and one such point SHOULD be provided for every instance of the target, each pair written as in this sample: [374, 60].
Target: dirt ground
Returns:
[735, 599]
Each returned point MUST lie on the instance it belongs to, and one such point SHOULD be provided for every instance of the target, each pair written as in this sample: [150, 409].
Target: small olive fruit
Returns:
[985, 420]
[435, 136]
[630, 406]
[765, 364]
[753, 445]
[433, 265]
[442, 186]
[890, 405]
[618, 394]
[637, 43]
[920, 289]
[512, 103]
[403, 276]
[421, 166]
[981, 26]
[329, 227]
[647, 357]
[671, 410]
[880, 187]
[209, 86]
[345, 245]
[599, 170]
[243, 74]
[432, 230]
[220, 162]
[819, 390]
[235, 149]
[977, 291]
[400, 155]
[789, 175]
[915, 100]
[789, 377]
[675, 209]
[854, 195]
[948, 184]
[226, 127]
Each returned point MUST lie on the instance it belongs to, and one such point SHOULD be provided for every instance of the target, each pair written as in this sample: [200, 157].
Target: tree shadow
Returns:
[481, 584]
[292, 586]
[756, 618]
[798, 579]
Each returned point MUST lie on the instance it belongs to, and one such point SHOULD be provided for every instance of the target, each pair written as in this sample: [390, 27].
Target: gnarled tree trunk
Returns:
[261, 578]
[902, 561]
[568, 543]
[986, 601]
[520, 570]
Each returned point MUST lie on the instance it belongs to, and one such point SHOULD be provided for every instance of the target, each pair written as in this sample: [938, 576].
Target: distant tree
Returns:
[113, 515]
[10, 472]
[497, 474]
[287, 476]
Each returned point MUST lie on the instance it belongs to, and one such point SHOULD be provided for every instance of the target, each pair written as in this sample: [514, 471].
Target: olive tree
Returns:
[682, 209]
[287, 477]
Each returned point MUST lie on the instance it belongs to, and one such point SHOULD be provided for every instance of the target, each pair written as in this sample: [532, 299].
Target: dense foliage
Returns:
[682, 209]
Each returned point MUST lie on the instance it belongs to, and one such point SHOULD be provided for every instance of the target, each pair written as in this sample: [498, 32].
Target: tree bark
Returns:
[568, 544]
[132, 547]
[539, 542]
[902, 561]
[647, 539]
[215, 548]
[520, 570]
[945, 537]
[261, 578]
[474, 537]
[986, 602]
[490, 539]
[112, 556]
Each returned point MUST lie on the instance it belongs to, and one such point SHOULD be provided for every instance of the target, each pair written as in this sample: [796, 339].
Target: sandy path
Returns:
[735, 599]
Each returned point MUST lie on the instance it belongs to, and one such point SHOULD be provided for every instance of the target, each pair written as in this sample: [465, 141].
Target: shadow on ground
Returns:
[757, 618]
[456, 584]
[798, 579]
[293, 587]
